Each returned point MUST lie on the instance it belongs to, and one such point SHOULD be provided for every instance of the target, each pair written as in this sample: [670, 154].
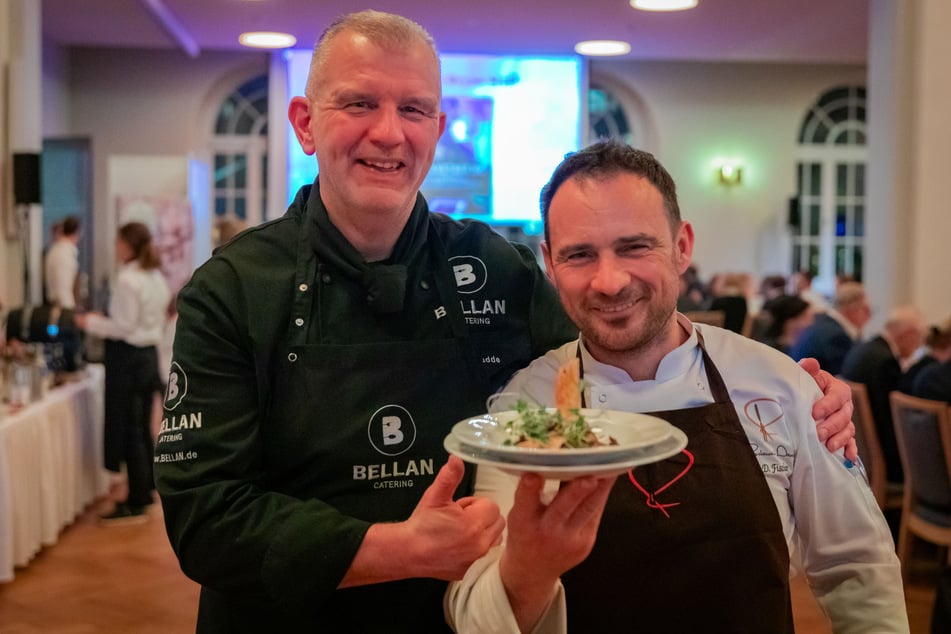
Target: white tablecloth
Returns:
[50, 467]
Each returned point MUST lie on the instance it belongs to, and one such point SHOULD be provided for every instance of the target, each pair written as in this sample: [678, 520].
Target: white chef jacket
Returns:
[61, 266]
[136, 309]
[829, 516]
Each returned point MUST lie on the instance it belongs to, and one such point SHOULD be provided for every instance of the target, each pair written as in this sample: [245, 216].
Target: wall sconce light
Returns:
[730, 173]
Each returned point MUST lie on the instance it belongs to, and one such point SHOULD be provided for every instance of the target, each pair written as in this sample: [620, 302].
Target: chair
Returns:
[709, 317]
[887, 494]
[734, 311]
[923, 430]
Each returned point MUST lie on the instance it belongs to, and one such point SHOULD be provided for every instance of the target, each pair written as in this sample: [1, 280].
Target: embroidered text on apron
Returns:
[691, 544]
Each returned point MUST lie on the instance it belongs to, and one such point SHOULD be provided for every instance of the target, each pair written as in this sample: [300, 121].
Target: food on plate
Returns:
[564, 427]
[568, 387]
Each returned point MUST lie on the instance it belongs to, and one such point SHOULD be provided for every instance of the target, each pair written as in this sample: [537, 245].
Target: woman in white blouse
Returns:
[132, 330]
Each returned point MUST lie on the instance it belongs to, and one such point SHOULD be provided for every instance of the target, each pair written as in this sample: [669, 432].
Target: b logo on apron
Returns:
[391, 430]
[177, 386]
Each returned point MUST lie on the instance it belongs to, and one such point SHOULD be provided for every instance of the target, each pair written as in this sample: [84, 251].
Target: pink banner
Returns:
[173, 231]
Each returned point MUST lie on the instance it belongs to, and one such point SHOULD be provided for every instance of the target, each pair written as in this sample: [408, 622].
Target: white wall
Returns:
[697, 112]
[55, 89]
[147, 103]
[931, 133]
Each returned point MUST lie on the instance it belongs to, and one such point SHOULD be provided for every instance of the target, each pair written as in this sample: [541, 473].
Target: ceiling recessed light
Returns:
[663, 5]
[267, 39]
[602, 48]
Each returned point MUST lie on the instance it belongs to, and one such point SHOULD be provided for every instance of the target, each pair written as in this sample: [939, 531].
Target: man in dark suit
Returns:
[833, 333]
[877, 364]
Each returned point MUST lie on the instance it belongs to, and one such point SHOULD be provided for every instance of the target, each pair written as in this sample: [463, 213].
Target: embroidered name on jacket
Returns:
[477, 313]
[471, 275]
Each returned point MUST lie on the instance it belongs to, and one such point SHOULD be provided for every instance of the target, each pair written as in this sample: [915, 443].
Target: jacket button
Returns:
[424, 285]
[603, 398]
[292, 357]
[303, 288]
[325, 278]
[299, 321]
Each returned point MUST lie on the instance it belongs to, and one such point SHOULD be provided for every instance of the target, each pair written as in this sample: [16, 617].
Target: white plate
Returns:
[673, 445]
[488, 435]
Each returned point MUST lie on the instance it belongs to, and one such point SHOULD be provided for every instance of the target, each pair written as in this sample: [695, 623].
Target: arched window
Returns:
[828, 233]
[239, 147]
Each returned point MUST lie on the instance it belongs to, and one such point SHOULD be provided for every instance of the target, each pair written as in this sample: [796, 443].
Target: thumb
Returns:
[447, 480]
[810, 365]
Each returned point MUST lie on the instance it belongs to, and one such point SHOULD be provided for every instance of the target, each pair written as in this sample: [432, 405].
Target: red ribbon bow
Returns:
[652, 497]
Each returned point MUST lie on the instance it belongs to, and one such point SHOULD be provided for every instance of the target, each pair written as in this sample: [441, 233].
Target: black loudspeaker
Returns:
[26, 178]
[794, 215]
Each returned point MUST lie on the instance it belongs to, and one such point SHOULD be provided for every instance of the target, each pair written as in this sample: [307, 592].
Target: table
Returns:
[50, 467]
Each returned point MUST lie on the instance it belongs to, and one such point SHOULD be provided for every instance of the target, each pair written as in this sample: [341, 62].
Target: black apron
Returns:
[690, 544]
[381, 412]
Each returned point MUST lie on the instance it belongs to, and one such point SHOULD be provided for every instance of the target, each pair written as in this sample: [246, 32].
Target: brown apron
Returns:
[690, 544]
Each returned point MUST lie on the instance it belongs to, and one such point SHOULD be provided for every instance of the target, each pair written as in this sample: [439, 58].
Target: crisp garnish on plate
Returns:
[539, 428]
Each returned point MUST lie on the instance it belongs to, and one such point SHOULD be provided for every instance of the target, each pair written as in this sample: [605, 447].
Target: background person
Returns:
[937, 349]
[753, 483]
[934, 380]
[802, 286]
[61, 265]
[328, 353]
[834, 331]
[781, 321]
[132, 330]
[876, 363]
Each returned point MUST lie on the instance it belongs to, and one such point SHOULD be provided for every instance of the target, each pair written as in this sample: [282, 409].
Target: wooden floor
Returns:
[125, 579]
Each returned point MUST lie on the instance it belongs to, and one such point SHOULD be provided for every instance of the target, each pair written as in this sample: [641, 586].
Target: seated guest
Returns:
[690, 299]
[833, 333]
[937, 349]
[781, 321]
[730, 291]
[876, 364]
[695, 287]
[770, 287]
[802, 285]
[934, 380]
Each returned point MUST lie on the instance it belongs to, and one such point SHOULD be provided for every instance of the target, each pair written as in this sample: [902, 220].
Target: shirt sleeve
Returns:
[124, 311]
[478, 603]
[843, 541]
[61, 271]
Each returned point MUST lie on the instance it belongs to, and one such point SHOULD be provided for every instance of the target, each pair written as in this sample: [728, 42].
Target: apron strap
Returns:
[445, 288]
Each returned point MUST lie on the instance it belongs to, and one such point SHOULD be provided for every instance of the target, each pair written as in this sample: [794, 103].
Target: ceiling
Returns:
[793, 31]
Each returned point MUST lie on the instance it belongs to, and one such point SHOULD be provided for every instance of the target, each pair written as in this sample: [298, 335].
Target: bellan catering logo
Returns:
[470, 273]
[177, 386]
[391, 430]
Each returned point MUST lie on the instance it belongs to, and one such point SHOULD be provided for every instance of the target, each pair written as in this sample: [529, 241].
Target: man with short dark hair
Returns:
[702, 540]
